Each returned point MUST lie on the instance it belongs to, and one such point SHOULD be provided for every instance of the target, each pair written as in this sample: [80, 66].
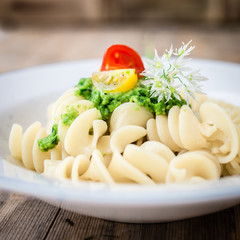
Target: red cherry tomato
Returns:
[121, 57]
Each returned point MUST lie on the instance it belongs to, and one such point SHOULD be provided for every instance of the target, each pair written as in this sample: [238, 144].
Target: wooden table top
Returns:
[24, 217]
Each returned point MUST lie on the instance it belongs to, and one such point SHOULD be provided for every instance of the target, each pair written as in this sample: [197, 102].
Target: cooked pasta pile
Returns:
[190, 144]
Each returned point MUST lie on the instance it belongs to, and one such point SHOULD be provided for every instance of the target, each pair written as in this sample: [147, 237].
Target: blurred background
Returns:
[35, 32]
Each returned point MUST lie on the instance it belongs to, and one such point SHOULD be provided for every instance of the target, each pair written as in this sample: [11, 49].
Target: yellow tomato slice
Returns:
[120, 80]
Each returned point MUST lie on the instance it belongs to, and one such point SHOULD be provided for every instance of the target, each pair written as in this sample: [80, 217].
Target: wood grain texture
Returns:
[24, 218]
[205, 227]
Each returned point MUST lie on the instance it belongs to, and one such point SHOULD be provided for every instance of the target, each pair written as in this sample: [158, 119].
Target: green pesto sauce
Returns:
[69, 115]
[51, 141]
[140, 94]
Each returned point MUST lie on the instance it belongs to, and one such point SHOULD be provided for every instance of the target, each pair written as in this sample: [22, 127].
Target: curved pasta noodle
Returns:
[164, 134]
[152, 134]
[24, 146]
[231, 110]
[181, 129]
[125, 135]
[77, 139]
[150, 163]
[233, 167]
[57, 108]
[80, 168]
[50, 167]
[173, 122]
[193, 166]
[103, 145]
[196, 103]
[27, 144]
[225, 140]
[15, 141]
[81, 106]
[39, 156]
[97, 170]
[99, 126]
[57, 153]
[159, 148]
[129, 114]
[64, 100]
[122, 171]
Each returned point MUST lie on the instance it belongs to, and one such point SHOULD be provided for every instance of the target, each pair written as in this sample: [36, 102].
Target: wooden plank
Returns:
[23, 217]
[220, 225]
[237, 222]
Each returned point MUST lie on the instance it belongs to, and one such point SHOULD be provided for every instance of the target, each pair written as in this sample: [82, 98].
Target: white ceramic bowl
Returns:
[24, 97]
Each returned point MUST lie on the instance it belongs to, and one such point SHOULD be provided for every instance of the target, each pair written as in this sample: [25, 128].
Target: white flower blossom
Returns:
[170, 76]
